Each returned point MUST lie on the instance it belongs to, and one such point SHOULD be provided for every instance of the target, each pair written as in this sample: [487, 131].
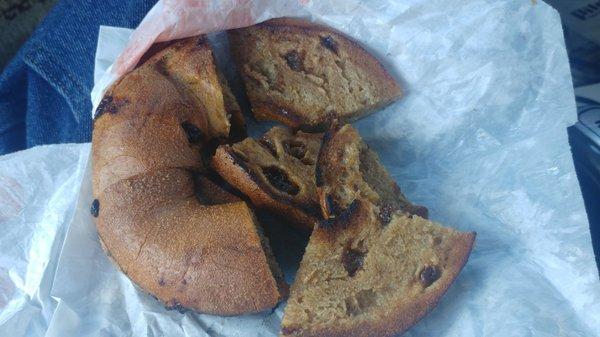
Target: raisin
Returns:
[280, 180]
[194, 134]
[352, 260]
[385, 214]
[108, 104]
[268, 145]
[161, 282]
[329, 43]
[429, 275]
[174, 305]
[95, 209]
[104, 105]
[295, 148]
[293, 60]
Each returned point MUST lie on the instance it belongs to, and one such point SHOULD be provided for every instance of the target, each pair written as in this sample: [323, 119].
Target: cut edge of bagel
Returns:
[156, 240]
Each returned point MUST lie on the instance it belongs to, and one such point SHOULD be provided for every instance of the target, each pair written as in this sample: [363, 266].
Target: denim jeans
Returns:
[44, 90]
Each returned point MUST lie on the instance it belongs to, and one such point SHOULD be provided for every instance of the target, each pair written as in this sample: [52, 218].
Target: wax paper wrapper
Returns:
[480, 138]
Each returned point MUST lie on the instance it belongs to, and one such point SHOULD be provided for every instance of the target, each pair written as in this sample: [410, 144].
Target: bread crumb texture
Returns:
[360, 277]
[298, 73]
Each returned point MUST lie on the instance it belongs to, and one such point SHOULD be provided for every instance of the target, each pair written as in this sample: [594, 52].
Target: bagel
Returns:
[175, 232]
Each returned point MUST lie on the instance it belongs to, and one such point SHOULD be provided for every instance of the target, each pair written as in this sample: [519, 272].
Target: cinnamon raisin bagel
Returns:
[167, 226]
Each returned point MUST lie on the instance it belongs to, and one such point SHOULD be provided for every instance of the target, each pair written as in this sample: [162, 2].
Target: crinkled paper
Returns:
[480, 138]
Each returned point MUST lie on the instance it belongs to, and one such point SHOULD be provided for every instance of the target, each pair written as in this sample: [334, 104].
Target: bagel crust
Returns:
[174, 232]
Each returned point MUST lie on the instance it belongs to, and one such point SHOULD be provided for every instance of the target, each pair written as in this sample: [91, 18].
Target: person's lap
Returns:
[44, 90]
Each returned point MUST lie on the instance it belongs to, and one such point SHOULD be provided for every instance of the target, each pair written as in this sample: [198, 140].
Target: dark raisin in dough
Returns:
[352, 260]
[293, 60]
[385, 214]
[329, 43]
[95, 209]
[176, 306]
[280, 180]
[429, 275]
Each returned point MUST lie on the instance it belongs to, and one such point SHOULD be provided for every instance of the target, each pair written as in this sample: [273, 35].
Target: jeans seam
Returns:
[60, 84]
[58, 65]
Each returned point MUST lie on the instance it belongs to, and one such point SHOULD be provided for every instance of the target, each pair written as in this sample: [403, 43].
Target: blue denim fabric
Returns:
[44, 90]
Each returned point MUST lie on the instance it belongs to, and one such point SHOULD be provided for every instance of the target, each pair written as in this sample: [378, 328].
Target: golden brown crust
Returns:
[153, 191]
[206, 258]
[153, 102]
[337, 75]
